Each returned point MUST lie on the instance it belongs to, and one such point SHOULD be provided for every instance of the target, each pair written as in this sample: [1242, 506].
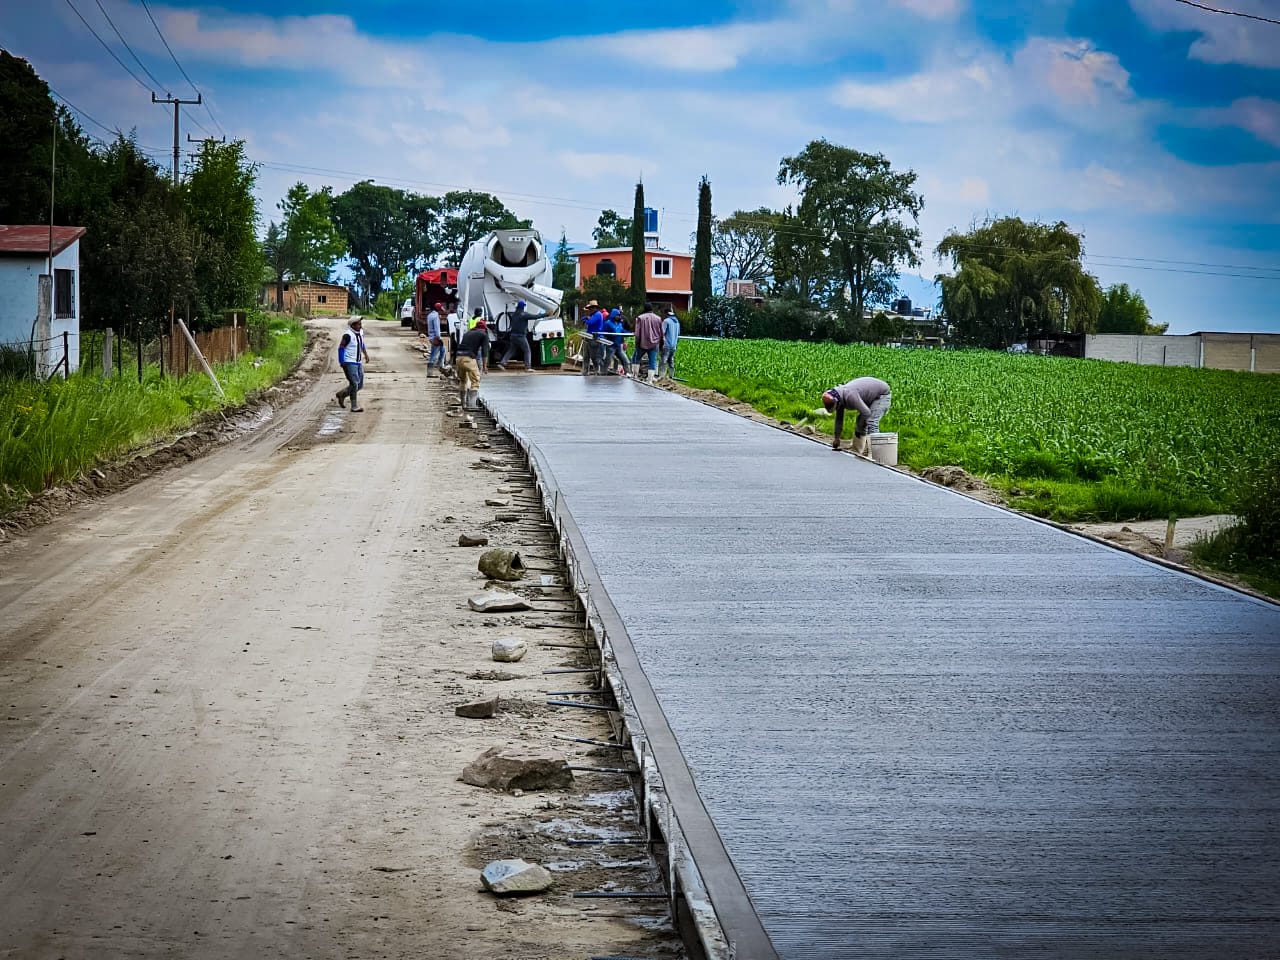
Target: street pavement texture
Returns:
[226, 706]
[925, 726]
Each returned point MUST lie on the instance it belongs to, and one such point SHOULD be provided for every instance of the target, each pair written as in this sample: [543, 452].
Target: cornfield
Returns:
[1077, 439]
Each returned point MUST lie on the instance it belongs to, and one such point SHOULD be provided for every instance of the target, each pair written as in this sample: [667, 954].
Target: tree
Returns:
[1015, 278]
[602, 288]
[464, 217]
[611, 230]
[386, 230]
[856, 203]
[638, 292]
[221, 207]
[563, 269]
[27, 116]
[702, 248]
[802, 271]
[743, 244]
[1124, 311]
[307, 244]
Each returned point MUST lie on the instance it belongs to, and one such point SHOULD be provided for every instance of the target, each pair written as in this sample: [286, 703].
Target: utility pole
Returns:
[191, 139]
[177, 103]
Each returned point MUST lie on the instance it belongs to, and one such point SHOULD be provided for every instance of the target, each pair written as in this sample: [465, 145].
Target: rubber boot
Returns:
[470, 401]
[651, 376]
[431, 372]
[861, 446]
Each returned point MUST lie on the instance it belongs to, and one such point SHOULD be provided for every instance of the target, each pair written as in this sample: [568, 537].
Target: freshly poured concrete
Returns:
[922, 726]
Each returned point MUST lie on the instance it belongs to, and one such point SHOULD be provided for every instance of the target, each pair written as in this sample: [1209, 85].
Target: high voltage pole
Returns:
[177, 103]
[202, 140]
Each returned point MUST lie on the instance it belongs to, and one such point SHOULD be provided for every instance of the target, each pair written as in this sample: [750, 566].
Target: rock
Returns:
[508, 877]
[507, 517]
[494, 601]
[507, 768]
[495, 502]
[502, 564]
[477, 709]
[508, 649]
[806, 429]
[472, 540]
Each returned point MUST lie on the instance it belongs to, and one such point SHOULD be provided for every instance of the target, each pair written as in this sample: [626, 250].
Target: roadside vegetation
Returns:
[1073, 440]
[1251, 549]
[53, 431]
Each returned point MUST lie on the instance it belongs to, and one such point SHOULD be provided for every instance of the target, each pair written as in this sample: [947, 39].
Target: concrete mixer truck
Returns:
[497, 272]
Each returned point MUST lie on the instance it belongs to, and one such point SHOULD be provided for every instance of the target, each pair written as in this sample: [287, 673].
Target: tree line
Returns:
[827, 260]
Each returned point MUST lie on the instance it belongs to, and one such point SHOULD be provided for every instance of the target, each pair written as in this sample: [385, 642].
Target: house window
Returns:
[64, 290]
[662, 266]
[323, 298]
[606, 268]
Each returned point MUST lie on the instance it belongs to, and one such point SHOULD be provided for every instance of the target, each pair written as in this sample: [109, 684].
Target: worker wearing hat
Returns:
[352, 357]
[593, 347]
[436, 359]
[867, 395]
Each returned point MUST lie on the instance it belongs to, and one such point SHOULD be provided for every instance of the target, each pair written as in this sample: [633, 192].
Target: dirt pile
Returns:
[958, 478]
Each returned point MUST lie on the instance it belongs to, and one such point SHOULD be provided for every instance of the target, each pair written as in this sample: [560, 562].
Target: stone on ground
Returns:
[506, 877]
[496, 502]
[477, 709]
[492, 601]
[509, 649]
[507, 768]
[501, 564]
[472, 540]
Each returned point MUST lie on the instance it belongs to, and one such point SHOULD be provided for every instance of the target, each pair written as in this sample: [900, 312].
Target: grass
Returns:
[52, 432]
[1063, 438]
[1225, 551]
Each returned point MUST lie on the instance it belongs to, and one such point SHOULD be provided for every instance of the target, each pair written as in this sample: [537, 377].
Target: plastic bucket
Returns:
[884, 448]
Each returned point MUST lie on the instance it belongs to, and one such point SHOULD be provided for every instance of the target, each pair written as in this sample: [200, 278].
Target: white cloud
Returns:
[933, 9]
[1222, 39]
[1260, 117]
[592, 166]
[1074, 71]
[942, 95]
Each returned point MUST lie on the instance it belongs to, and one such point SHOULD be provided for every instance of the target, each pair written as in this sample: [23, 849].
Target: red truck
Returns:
[432, 287]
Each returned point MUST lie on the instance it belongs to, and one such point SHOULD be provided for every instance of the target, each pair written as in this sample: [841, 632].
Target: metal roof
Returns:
[34, 239]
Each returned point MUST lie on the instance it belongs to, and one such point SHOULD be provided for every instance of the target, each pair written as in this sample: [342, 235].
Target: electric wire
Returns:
[1228, 13]
[123, 65]
[120, 37]
[172, 56]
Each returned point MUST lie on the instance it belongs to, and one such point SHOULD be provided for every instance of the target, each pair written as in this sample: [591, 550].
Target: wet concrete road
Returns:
[923, 726]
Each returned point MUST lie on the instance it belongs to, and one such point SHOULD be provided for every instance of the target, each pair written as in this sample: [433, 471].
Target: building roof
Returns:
[648, 250]
[33, 239]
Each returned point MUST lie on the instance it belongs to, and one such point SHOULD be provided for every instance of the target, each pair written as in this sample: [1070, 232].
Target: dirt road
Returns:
[226, 708]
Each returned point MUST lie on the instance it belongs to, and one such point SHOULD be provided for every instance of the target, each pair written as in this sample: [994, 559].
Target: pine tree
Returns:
[702, 247]
[638, 292]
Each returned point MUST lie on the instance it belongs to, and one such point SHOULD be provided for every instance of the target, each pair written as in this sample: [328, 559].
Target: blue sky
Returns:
[1150, 126]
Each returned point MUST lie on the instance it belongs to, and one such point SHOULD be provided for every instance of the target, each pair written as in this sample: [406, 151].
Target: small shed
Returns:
[26, 251]
[311, 297]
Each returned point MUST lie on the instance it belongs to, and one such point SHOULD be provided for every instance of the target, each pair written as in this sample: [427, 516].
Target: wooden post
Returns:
[106, 351]
[191, 341]
[1168, 535]
[139, 351]
[66, 355]
[235, 336]
[44, 324]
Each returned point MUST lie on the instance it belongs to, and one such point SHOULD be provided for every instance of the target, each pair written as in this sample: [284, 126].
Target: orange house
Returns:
[668, 273]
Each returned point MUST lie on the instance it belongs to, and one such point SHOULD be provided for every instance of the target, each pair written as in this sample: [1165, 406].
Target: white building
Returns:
[25, 252]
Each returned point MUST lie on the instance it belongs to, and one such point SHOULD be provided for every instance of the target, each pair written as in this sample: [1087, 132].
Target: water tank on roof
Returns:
[902, 306]
[650, 220]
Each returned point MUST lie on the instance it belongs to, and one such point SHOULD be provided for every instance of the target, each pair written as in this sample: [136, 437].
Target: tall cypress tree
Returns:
[702, 247]
[638, 292]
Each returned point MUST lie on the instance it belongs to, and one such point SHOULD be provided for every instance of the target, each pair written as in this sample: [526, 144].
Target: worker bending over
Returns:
[870, 397]
[473, 353]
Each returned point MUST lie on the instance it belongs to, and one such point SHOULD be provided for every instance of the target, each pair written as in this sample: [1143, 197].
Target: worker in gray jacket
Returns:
[867, 395]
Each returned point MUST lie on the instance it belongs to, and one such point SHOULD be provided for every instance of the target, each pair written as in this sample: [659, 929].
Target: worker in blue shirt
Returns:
[615, 349]
[593, 349]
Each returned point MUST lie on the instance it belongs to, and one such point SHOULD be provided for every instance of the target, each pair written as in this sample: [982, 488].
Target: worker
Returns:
[518, 341]
[436, 359]
[870, 397]
[352, 356]
[473, 353]
[593, 345]
[648, 339]
[475, 318]
[615, 348]
[670, 337]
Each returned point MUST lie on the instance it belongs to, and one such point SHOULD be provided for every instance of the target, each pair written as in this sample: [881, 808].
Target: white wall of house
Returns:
[1159, 351]
[19, 290]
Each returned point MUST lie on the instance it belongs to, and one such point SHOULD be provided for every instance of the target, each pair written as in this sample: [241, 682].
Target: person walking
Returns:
[473, 353]
[670, 337]
[616, 348]
[352, 356]
[648, 339]
[518, 335]
[593, 344]
[436, 359]
[867, 395]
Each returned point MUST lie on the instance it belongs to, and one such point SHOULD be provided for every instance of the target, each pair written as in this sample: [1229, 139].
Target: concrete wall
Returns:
[1259, 352]
[19, 289]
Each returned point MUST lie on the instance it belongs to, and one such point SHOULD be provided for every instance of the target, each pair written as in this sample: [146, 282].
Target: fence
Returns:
[1256, 352]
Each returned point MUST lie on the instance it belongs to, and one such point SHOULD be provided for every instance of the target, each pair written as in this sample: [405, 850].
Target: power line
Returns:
[121, 38]
[107, 48]
[1228, 13]
[174, 58]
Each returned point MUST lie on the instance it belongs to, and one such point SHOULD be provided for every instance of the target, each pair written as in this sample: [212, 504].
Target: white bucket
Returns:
[884, 448]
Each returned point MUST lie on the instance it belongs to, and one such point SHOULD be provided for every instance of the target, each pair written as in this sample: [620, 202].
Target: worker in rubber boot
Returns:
[352, 356]
[518, 336]
[615, 332]
[648, 340]
[670, 338]
[593, 342]
[473, 353]
[870, 397]
[436, 359]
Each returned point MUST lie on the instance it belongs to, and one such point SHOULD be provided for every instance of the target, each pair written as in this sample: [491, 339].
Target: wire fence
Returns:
[108, 353]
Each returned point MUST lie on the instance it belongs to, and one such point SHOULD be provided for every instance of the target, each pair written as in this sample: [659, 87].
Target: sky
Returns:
[1150, 126]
